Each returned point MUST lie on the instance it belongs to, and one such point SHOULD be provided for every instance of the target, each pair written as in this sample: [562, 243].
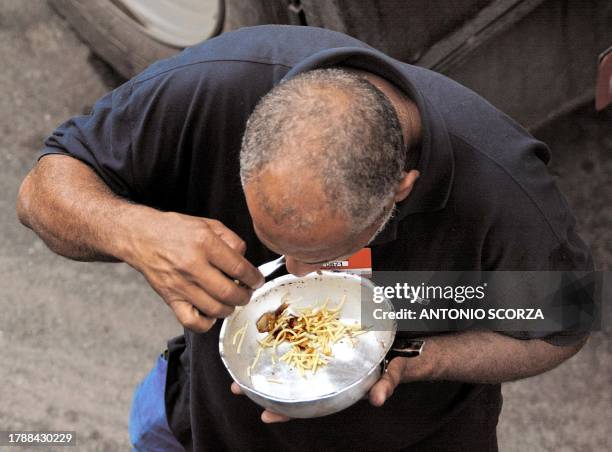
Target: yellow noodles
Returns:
[256, 358]
[241, 332]
[311, 334]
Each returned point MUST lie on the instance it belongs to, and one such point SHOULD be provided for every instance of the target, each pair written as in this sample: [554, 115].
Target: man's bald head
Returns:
[325, 140]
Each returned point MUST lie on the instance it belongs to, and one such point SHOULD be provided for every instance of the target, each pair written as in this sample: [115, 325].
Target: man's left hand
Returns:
[400, 370]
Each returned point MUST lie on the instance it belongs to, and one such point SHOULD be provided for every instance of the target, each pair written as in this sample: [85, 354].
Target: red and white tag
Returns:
[359, 263]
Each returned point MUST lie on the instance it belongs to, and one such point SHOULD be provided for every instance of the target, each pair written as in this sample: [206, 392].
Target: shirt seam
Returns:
[509, 174]
[234, 60]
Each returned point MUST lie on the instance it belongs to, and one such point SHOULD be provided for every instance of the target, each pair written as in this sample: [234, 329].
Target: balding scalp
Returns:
[340, 127]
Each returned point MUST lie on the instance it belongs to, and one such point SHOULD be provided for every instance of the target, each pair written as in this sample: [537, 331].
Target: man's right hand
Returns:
[191, 262]
[194, 264]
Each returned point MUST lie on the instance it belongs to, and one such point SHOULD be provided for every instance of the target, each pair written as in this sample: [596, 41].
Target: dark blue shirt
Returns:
[170, 138]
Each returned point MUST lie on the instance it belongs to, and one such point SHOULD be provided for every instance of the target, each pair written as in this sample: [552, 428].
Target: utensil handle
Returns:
[270, 268]
[405, 348]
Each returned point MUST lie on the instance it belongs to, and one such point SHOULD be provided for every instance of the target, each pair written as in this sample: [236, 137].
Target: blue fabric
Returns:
[148, 425]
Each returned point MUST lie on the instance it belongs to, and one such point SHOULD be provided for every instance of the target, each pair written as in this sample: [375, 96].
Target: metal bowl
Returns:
[347, 377]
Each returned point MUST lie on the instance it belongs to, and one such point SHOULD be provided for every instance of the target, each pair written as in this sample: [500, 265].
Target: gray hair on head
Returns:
[342, 128]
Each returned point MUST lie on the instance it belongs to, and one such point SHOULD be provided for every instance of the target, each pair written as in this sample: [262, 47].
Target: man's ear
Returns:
[404, 187]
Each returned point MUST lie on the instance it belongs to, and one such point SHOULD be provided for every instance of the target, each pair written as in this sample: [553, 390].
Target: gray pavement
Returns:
[76, 337]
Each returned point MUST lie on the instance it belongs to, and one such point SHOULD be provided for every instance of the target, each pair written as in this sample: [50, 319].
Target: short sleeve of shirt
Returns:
[101, 139]
[141, 137]
[171, 135]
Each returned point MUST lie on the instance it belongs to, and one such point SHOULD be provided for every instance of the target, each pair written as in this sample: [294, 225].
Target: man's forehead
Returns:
[316, 241]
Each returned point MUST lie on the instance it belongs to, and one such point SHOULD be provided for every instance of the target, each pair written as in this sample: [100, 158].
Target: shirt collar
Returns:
[436, 163]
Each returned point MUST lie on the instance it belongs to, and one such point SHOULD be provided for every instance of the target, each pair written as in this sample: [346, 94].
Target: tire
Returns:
[114, 35]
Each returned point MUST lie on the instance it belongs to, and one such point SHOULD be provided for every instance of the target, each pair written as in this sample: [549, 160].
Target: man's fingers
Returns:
[190, 318]
[204, 302]
[383, 388]
[269, 417]
[222, 288]
[228, 236]
[234, 264]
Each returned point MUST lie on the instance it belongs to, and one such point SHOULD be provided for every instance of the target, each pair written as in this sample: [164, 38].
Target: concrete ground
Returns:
[76, 338]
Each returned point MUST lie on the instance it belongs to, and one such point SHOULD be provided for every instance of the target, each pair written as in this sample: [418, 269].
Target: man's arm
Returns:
[187, 260]
[59, 199]
[473, 357]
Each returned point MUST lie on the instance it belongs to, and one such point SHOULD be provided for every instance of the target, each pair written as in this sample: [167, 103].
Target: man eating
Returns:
[308, 143]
